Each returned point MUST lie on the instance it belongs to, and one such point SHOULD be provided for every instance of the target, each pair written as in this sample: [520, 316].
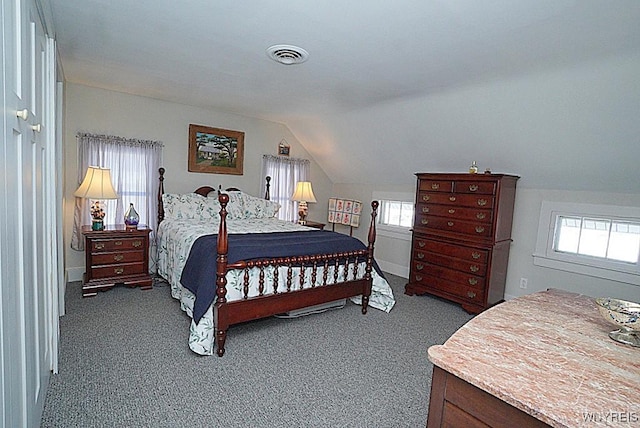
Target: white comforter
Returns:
[175, 238]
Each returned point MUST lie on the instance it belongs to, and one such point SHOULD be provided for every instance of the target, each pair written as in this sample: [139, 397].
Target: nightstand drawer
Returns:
[104, 245]
[118, 257]
[114, 271]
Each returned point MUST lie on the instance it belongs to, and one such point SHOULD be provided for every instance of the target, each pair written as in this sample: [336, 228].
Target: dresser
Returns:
[116, 255]
[461, 237]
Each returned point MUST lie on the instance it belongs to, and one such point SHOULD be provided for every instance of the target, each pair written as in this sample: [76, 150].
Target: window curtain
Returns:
[134, 171]
[285, 172]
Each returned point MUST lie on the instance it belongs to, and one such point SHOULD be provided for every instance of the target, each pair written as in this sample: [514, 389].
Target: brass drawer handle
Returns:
[137, 244]
[471, 294]
[473, 187]
[452, 198]
[98, 245]
[118, 243]
[424, 221]
[473, 281]
[474, 268]
[421, 244]
[418, 277]
[479, 229]
[425, 197]
[118, 271]
[450, 223]
[475, 255]
[118, 257]
[482, 202]
[480, 216]
[451, 211]
[425, 209]
[435, 186]
[419, 266]
[420, 256]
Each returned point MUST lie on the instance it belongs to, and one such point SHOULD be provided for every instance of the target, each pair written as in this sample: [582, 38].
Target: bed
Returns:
[229, 260]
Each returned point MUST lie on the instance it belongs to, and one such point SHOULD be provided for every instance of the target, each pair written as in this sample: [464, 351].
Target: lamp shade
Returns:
[96, 185]
[304, 192]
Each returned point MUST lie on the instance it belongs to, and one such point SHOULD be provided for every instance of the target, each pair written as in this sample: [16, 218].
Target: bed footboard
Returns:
[333, 276]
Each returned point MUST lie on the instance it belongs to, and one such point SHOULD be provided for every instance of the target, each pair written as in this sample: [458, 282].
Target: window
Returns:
[285, 172]
[395, 214]
[595, 240]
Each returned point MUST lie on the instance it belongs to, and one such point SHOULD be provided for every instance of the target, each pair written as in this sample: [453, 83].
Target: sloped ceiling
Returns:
[548, 89]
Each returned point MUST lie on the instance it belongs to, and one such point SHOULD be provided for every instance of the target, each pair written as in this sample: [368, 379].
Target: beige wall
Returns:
[98, 111]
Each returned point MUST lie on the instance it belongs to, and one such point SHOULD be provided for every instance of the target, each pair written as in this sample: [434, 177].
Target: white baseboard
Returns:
[75, 274]
[393, 268]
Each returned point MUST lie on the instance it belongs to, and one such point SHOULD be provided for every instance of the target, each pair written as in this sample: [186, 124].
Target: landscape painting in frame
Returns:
[214, 150]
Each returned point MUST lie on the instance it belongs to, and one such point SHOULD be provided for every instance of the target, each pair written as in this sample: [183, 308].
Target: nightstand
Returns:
[116, 255]
[315, 225]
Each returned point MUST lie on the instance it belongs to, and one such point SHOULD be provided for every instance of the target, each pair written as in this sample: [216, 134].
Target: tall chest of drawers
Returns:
[461, 237]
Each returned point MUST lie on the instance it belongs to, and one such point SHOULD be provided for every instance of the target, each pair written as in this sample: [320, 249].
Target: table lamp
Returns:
[303, 194]
[96, 186]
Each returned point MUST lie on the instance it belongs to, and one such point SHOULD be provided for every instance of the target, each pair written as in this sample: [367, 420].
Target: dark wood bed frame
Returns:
[264, 305]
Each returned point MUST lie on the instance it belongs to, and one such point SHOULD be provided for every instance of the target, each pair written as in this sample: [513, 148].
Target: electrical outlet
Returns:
[523, 282]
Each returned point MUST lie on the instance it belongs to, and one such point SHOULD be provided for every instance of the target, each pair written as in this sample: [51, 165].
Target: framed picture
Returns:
[214, 150]
[283, 149]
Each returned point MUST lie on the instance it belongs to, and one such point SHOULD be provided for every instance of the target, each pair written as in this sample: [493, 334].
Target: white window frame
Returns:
[546, 256]
[396, 232]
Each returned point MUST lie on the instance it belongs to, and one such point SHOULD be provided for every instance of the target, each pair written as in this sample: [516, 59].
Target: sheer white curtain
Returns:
[285, 172]
[134, 171]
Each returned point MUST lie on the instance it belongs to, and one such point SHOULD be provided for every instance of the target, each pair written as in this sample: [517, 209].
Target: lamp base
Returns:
[97, 224]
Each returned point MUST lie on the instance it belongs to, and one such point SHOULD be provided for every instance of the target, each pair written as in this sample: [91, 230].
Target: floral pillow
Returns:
[258, 207]
[189, 206]
[235, 207]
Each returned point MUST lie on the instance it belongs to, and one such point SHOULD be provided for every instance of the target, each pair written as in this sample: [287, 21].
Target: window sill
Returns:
[394, 232]
[583, 269]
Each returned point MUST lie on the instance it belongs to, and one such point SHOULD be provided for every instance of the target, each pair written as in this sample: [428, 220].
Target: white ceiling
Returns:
[363, 53]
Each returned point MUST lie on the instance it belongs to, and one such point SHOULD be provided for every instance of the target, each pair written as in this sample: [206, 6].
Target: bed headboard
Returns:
[204, 191]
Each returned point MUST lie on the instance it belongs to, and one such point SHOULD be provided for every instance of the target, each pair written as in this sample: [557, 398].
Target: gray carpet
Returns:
[125, 362]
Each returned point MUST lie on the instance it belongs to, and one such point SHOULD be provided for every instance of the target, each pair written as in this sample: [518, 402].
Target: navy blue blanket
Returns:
[199, 273]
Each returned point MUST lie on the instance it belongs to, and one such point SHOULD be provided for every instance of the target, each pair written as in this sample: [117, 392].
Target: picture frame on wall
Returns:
[283, 149]
[215, 150]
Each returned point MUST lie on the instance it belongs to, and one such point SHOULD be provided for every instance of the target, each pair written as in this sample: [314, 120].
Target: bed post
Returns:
[160, 193]
[220, 318]
[267, 193]
[372, 240]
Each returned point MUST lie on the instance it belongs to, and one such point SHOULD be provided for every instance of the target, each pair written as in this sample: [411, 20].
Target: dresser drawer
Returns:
[422, 258]
[114, 271]
[457, 199]
[481, 215]
[427, 269]
[453, 250]
[451, 225]
[436, 185]
[117, 257]
[485, 188]
[470, 294]
[105, 245]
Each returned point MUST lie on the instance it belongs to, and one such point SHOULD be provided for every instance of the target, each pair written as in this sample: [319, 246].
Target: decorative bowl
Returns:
[624, 315]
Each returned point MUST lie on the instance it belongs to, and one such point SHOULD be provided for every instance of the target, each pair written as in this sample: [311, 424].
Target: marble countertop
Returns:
[549, 355]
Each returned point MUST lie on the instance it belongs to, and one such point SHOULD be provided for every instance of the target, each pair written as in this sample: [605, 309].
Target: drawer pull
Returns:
[98, 245]
[425, 197]
[473, 187]
[425, 209]
[474, 268]
[419, 266]
[118, 243]
[136, 244]
[479, 229]
[451, 211]
[482, 202]
[435, 186]
[424, 221]
[118, 257]
[452, 198]
[475, 255]
[450, 223]
[118, 271]
[473, 281]
[471, 294]
[481, 216]
[418, 277]
[421, 244]
[420, 256]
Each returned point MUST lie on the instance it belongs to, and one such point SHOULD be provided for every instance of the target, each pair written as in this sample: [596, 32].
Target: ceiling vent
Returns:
[287, 54]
